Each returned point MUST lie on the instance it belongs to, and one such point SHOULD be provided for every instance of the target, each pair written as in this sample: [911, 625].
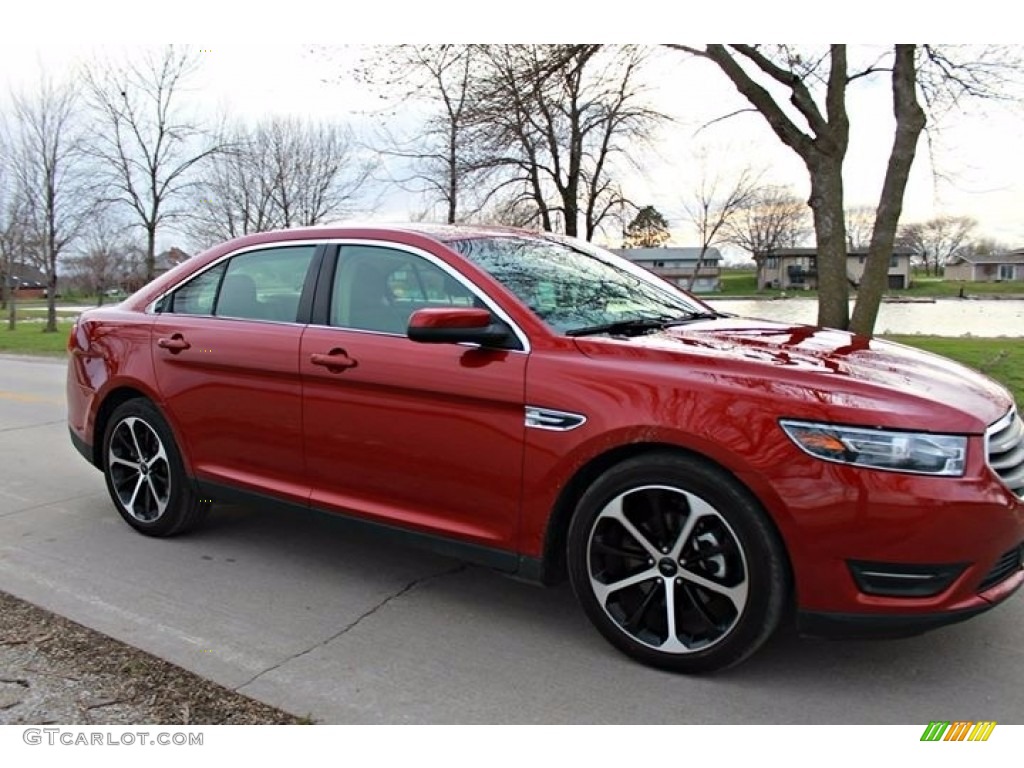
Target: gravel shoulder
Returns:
[54, 671]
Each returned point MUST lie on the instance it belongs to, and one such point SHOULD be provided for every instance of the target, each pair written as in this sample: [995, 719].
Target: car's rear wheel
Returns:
[676, 564]
[144, 472]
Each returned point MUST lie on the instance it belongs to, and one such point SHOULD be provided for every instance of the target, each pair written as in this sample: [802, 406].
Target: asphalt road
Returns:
[303, 614]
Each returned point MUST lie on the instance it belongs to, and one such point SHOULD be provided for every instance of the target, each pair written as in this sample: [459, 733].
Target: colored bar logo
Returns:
[958, 731]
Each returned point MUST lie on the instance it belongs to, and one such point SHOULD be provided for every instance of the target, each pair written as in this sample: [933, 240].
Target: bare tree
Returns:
[982, 246]
[46, 162]
[6, 261]
[442, 155]
[860, 223]
[554, 119]
[714, 207]
[145, 145]
[234, 191]
[817, 129]
[774, 217]
[935, 241]
[316, 171]
[103, 258]
[281, 173]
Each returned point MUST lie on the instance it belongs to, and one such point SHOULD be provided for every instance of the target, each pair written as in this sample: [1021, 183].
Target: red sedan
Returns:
[539, 406]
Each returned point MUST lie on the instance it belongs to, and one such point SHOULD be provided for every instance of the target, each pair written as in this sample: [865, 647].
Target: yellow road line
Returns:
[23, 397]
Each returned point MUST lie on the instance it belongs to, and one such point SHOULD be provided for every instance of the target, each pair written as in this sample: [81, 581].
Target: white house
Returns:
[679, 265]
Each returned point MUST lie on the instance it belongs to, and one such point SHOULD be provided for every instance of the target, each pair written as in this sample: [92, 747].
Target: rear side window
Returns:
[258, 285]
[265, 284]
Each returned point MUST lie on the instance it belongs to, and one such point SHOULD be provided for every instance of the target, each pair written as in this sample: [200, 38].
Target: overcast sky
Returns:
[265, 70]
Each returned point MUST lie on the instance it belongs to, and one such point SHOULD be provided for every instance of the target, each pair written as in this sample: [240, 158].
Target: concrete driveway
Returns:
[305, 615]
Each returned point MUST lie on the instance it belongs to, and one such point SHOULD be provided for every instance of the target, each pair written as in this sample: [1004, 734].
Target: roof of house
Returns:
[28, 277]
[172, 257]
[896, 251]
[1012, 257]
[641, 255]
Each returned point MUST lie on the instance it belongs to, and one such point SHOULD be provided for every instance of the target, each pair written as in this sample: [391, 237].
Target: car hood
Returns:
[849, 370]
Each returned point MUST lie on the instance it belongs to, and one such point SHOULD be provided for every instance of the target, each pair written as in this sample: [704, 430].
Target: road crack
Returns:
[352, 625]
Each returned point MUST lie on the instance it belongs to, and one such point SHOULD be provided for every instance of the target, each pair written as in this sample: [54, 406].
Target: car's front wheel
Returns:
[144, 472]
[677, 564]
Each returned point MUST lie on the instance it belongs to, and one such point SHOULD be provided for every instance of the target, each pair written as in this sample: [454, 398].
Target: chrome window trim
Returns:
[151, 307]
[524, 340]
[472, 287]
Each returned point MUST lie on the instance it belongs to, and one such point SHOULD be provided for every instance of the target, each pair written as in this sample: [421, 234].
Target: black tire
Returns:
[697, 536]
[153, 495]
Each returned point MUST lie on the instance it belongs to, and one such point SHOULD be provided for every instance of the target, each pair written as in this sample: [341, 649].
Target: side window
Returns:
[378, 288]
[265, 284]
[197, 296]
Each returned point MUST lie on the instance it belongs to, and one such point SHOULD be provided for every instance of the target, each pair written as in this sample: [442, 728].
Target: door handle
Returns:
[175, 344]
[335, 361]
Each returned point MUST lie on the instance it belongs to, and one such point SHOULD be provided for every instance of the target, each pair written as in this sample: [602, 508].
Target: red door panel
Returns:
[231, 388]
[421, 435]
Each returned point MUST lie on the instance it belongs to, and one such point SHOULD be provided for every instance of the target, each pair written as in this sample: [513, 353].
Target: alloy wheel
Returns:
[139, 469]
[667, 568]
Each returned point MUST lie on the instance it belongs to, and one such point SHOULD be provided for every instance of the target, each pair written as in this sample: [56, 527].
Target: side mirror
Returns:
[456, 325]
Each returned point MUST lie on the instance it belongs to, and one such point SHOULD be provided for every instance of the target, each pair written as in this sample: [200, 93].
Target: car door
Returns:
[425, 436]
[225, 353]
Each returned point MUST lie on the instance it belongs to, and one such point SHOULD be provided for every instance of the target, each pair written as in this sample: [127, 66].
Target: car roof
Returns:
[444, 233]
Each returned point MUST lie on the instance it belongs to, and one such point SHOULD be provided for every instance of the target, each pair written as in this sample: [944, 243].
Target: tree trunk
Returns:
[910, 121]
[453, 177]
[51, 283]
[51, 301]
[572, 212]
[9, 300]
[151, 253]
[830, 230]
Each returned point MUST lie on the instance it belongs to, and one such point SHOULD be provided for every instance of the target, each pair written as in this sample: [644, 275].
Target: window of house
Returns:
[1006, 271]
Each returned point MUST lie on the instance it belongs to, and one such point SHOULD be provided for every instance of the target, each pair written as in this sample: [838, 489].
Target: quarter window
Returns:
[197, 296]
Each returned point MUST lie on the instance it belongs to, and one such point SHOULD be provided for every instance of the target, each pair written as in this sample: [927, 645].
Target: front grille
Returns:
[1004, 442]
[1005, 567]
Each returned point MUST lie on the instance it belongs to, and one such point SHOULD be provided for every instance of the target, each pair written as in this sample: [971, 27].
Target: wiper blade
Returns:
[689, 317]
[640, 325]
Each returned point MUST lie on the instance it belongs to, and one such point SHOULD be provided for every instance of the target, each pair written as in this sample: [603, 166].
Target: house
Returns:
[797, 268]
[167, 260]
[27, 282]
[988, 269]
[677, 265]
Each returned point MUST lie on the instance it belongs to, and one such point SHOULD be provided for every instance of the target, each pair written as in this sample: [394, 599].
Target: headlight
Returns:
[918, 452]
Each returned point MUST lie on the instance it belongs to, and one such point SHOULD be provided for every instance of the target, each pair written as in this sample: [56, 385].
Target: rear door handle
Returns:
[175, 344]
[335, 361]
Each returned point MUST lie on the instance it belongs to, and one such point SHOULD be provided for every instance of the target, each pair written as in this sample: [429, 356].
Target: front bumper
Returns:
[891, 625]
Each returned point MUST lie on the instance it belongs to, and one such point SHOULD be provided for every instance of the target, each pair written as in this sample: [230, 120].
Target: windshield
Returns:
[577, 287]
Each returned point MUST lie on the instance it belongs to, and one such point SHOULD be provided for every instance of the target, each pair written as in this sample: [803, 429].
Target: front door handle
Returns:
[335, 361]
[175, 344]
